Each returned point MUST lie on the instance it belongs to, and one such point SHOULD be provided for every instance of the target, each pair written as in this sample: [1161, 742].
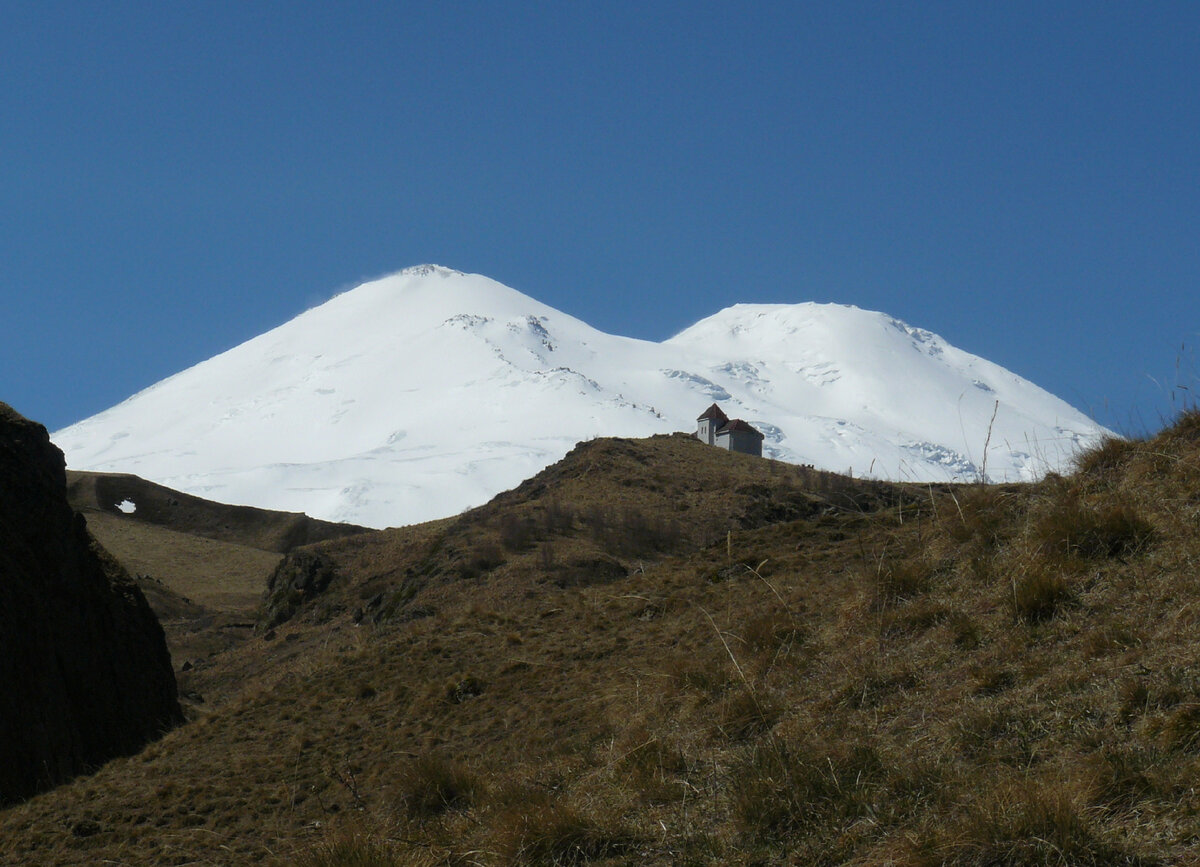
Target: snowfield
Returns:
[427, 392]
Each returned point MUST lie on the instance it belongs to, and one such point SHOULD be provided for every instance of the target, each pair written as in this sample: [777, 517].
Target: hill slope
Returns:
[201, 565]
[421, 394]
[793, 668]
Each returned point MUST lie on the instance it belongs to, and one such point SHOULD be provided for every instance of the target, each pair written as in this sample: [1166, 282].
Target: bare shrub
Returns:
[652, 764]
[631, 532]
[704, 674]
[483, 557]
[1181, 729]
[1134, 696]
[557, 518]
[768, 635]
[981, 516]
[517, 531]
[1186, 427]
[461, 689]
[965, 630]
[895, 580]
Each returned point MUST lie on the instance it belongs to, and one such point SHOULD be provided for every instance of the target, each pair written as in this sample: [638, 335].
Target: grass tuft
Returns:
[1039, 593]
[1071, 528]
[1029, 823]
[549, 829]
[432, 784]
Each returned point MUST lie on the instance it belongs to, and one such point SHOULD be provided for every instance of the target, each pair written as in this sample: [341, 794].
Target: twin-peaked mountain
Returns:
[423, 393]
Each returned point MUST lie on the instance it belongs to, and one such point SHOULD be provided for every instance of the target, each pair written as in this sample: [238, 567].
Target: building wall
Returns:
[741, 441]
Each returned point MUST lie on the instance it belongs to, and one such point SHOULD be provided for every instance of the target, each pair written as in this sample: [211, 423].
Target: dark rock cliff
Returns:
[84, 671]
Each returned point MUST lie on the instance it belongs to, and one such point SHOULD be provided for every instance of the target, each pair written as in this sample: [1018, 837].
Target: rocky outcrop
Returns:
[84, 671]
[300, 577]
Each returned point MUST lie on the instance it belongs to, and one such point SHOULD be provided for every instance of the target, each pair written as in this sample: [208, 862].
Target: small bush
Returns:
[916, 617]
[966, 632]
[870, 684]
[463, 688]
[1186, 427]
[708, 676]
[651, 765]
[768, 635]
[982, 517]
[484, 557]
[999, 734]
[1135, 699]
[558, 519]
[517, 532]
[631, 532]
[993, 679]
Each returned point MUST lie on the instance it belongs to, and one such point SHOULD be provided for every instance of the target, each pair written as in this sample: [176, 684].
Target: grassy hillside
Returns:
[200, 564]
[656, 652]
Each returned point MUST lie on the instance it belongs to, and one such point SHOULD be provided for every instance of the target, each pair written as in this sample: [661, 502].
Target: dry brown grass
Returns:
[221, 576]
[981, 676]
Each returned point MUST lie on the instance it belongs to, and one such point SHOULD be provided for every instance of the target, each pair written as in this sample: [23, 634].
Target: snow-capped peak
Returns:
[427, 391]
[429, 270]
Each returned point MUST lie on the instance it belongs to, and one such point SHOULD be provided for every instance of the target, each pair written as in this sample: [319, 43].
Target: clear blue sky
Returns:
[1022, 178]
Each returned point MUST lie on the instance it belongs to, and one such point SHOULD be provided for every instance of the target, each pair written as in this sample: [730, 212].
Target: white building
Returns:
[717, 429]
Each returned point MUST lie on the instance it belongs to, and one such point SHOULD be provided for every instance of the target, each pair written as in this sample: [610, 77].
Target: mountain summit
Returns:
[426, 392]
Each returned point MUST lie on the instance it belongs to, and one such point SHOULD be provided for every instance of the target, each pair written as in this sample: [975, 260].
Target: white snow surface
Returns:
[424, 393]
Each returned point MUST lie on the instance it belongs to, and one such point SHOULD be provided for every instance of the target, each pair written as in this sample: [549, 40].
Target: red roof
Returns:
[738, 424]
[714, 411]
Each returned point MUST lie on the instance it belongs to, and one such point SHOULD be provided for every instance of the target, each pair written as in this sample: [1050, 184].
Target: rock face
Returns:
[84, 671]
[299, 577]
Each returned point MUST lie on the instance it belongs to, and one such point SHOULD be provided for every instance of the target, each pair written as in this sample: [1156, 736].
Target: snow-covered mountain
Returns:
[420, 394]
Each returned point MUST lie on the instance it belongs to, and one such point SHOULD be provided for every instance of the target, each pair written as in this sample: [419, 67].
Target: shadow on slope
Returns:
[265, 530]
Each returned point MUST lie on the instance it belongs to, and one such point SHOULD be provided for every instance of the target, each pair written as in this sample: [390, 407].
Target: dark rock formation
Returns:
[299, 578]
[84, 670]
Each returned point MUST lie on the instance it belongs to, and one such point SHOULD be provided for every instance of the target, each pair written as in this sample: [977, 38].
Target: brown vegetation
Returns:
[660, 653]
